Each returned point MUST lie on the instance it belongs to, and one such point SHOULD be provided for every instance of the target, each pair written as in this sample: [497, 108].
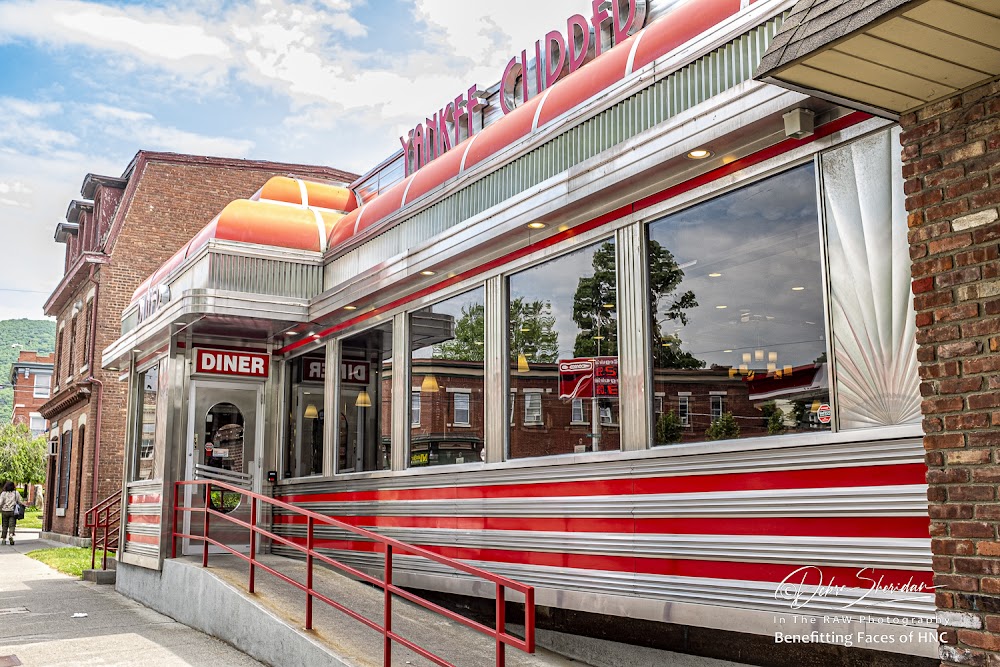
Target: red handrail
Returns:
[105, 516]
[499, 633]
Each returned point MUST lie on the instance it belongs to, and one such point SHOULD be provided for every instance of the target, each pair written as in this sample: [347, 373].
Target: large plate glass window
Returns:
[563, 342]
[366, 401]
[303, 447]
[446, 371]
[737, 333]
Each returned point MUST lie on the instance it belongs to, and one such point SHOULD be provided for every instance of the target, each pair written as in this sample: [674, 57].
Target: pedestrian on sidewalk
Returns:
[10, 502]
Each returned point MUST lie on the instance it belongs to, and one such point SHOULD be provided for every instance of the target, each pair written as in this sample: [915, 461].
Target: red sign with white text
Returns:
[230, 362]
[588, 377]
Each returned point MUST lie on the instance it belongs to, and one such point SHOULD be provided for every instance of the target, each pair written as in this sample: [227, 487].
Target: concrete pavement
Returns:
[36, 624]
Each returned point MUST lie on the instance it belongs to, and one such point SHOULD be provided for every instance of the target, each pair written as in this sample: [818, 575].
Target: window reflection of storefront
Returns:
[304, 434]
[366, 401]
[150, 422]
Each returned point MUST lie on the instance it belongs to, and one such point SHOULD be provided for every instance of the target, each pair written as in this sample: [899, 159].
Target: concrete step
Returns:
[100, 576]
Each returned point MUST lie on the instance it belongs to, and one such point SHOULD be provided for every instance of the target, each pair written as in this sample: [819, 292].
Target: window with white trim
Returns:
[717, 404]
[684, 410]
[36, 423]
[533, 407]
[415, 408]
[43, 384]
[577, 416]
[462, 411]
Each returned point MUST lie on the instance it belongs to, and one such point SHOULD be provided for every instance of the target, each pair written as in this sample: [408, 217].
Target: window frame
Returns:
[716, 399]
[528, 408]
[467, 396]
[684, 410]
[415, 407]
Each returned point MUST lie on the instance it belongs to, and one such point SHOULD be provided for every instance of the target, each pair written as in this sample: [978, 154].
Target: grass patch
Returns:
[68, 560]
[32, 518]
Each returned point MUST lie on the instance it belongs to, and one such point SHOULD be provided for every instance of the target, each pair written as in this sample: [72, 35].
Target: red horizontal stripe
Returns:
[894, 527]
[890, 527]
[143, 518]
[142, 539]
[888, 475]
[146, 498]
[709, 569]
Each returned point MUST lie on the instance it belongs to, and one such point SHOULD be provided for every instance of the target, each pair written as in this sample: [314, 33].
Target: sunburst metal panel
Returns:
[874, 328]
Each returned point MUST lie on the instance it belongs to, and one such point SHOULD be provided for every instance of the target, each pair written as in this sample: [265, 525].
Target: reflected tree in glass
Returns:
[533, 331]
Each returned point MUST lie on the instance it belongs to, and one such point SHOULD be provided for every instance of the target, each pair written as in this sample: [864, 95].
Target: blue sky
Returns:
[85, 85]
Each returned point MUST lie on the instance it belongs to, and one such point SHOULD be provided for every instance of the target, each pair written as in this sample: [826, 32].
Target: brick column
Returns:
[951, 163]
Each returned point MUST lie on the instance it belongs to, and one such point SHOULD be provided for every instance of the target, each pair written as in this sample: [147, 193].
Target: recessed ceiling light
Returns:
[536, 225]
[798, 289]
[666, 344]
[427, 272]
[608, 305]
[714, 275]
[727, 350]
[700, 154]
[598, 337]
[350, 307]
[721, 307]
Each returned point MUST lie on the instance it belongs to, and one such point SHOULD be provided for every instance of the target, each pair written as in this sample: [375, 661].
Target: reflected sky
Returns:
[762, 241]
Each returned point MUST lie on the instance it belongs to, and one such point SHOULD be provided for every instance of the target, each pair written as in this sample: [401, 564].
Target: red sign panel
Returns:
[229, 362]
[824, 414]
[589, 377]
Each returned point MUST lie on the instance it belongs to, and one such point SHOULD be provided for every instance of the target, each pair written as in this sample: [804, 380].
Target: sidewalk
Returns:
[36, 608]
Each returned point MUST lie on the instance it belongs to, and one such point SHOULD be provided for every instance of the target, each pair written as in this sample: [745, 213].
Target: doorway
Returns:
[223, 439]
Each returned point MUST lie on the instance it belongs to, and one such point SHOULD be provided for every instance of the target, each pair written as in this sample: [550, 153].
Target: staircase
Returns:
[104, 520]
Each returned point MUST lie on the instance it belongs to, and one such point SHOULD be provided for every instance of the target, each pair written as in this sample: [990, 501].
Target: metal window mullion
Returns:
[496, 367]
[400, 411]
[634, 390]
[331, 406]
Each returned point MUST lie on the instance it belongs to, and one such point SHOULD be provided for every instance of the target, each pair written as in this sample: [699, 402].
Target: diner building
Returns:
[641, 336]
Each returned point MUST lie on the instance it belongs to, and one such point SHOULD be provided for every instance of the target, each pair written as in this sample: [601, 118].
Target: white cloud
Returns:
[143, 130]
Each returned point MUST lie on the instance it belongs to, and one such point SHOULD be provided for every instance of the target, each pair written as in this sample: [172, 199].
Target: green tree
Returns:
[668, 429]
[22, 457]
[532, 331]
[595, 307]
[470, 333]
[723, 428]
[776, 422]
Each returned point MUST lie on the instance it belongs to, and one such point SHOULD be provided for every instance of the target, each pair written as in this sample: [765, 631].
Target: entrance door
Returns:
[223, 437]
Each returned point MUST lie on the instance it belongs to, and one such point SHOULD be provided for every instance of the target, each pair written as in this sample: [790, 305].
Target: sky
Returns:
[85, 85]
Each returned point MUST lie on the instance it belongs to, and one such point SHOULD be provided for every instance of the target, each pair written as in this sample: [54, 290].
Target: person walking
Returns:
[10, 501]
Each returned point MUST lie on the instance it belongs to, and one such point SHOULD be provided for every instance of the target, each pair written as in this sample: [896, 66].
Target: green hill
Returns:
[17, 335]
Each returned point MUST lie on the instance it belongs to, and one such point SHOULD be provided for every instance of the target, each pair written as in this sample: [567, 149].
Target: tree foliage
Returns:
[533, 331]
[470, 334]
[17, 335]
[723, 428]
[668, 428]
[595, 307]
[22, 458]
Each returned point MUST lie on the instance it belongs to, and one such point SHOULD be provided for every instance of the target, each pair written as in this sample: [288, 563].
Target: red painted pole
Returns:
[208, 496]
[309, 573]
[253, 540]
[387, 613]
[501, 622]
[529, 619]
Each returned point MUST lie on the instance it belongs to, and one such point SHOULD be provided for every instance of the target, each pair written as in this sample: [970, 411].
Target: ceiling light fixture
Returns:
[427, 272]
[536, 225]
[798, 289]
[721, 307]
[350, 307]
[714, 275]
[700, 154]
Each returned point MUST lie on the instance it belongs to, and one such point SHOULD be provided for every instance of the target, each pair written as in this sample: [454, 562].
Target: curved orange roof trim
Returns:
[515, 125]
[273, 224]
[320, 195]
[679, 26]
[437, 172]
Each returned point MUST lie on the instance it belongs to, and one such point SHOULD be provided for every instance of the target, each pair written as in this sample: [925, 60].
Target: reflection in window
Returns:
[224, 438]
[304, 393]
[738, 321]
[366, 401]
[446, 371]
[150, 424]
[563, 342]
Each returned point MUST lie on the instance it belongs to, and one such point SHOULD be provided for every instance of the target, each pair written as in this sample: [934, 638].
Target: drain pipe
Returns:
[100, 385]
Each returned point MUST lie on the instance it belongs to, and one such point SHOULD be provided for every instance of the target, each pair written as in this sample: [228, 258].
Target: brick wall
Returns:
[174, 198]
[951, 163]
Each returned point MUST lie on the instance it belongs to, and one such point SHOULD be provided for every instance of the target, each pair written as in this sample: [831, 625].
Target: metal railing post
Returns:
[253, 540]
[93, 540]
[529, 619]
[387, 614]
[501, 623]
[173, 526]
[104, 541]
[309, 573]
[208, 502]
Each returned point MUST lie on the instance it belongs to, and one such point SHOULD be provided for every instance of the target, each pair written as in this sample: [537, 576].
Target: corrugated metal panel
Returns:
[679, 91]
[256, 275]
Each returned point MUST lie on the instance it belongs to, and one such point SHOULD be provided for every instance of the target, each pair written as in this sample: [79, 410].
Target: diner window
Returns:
[446, 365]
[65, 458]
[305, 394]
[563, 342]
[366, 401]
[150, 424]
[736, 289]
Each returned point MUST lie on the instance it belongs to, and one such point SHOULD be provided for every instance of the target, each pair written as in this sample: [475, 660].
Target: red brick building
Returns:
[120, 230]
[31, 377]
